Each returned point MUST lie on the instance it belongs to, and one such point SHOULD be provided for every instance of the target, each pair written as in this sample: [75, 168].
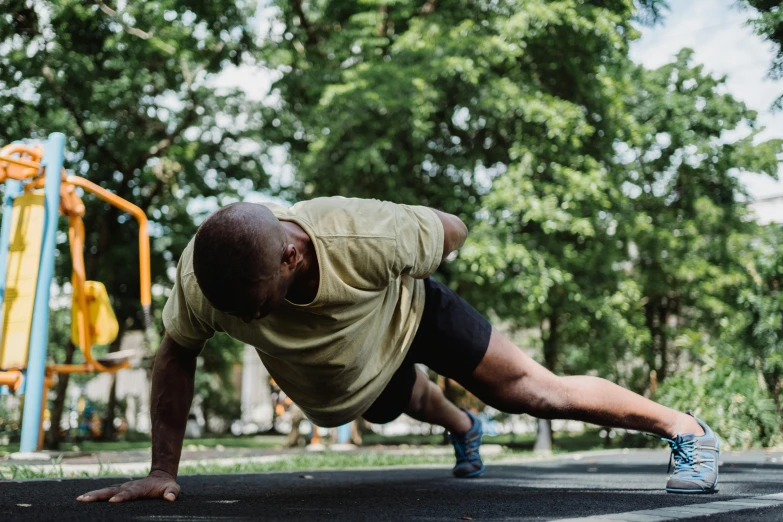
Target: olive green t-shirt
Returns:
[335, 355]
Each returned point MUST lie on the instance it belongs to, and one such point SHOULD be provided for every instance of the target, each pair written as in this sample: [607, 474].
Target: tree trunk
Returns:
[650, 319]
[55, 437]
[108, 420]
[663, 339]
[544, 437]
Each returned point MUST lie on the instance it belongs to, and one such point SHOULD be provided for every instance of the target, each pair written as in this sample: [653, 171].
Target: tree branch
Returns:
[135, 31]
[312, 37]
[79, 118]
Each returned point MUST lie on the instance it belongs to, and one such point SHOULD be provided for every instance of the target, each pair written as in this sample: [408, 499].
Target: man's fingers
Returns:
[98, 494]
[124, 495]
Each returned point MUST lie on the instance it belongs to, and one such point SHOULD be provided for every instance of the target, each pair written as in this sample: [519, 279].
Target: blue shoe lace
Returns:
[683, 454]
[465, 451]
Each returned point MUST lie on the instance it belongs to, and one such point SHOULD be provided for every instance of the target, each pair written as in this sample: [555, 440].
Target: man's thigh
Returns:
[508, 379]
[453, 337]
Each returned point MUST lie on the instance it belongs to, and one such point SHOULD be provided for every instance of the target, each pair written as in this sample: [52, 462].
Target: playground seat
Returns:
[102, 322]
[111, 360]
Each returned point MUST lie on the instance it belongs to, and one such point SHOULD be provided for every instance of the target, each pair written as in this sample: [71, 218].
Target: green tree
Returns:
[769, 25]
[505, 113]
[132, 86]
[219, 398]
[686, 203]
[762, 301]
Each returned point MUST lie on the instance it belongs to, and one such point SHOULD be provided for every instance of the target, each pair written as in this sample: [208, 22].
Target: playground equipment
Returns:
[37, 190]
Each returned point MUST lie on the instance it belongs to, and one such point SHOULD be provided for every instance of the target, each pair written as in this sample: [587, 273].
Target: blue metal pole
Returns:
[344, 434]
[54, 149]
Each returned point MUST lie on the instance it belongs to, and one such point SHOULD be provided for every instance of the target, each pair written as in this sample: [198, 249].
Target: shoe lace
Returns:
[466, 449]
[683, 454]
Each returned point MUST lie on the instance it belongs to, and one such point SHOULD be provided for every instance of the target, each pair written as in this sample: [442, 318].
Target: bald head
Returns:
[236, 248]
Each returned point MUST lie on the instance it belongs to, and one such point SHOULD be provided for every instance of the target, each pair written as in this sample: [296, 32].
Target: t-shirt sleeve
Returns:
[419, 241]
[179, 319]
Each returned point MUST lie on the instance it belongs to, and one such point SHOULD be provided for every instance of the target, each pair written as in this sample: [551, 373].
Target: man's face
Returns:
[260, 299]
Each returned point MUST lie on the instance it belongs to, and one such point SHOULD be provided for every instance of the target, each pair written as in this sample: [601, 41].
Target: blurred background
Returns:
[616, 162]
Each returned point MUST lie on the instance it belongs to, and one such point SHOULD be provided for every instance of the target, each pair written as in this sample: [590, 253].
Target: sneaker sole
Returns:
[713, 489]
[473, 474]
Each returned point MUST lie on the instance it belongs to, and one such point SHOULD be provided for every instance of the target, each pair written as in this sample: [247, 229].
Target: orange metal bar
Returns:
[70, 202]
[144, 239]
[85, 368]
[78, 278]
[20, 168]
[34, 151]
[48, 383]
[12, 379]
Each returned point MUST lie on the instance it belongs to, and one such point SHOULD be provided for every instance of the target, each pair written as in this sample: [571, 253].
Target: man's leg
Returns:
[428, 404]
[509, 380]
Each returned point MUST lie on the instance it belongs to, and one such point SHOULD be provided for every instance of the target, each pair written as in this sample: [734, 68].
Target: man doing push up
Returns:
[337, 298]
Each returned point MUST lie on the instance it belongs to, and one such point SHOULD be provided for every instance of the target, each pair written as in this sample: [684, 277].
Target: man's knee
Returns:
[420, 397]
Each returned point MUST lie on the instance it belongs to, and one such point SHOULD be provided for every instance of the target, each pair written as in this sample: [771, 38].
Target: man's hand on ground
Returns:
[158, 484]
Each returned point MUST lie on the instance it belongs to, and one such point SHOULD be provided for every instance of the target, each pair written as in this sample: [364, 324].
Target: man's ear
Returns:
[289, 257]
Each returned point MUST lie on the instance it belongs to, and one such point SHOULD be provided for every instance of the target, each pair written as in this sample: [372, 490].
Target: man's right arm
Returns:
[173, 377]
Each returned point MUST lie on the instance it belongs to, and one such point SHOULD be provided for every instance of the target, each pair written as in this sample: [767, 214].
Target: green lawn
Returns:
[514, 446]
[262, 441]
[563, 442]
[303, 462]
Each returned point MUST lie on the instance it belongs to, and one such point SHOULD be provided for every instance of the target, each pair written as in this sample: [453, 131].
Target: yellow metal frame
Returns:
[23, 259]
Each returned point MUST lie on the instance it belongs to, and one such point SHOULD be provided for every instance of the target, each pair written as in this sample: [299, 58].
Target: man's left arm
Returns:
[455, 232]
[424, 237]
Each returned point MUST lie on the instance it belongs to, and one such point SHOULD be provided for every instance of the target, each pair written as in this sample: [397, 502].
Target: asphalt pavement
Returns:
[625, 486]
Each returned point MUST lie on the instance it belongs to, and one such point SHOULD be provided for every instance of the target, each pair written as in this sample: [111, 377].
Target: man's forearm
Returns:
[173, 377]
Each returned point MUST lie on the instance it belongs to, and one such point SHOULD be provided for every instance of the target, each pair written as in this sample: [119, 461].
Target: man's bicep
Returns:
[180, 320]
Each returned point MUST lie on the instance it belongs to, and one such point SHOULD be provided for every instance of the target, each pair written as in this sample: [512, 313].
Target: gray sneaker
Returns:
[695, 462]
[466, 449]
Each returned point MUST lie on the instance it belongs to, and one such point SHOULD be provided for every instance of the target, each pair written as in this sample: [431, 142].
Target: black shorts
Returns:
[451, 340]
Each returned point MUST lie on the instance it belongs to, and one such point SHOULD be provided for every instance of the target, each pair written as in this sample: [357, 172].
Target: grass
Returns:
[564, 442]
[296, 462]
[514, 446]
[260, 442]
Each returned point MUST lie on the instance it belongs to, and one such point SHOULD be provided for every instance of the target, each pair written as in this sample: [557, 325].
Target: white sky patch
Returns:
[722, 41]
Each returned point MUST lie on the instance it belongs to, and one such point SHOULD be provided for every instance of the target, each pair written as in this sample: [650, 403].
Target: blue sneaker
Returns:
[695, 462]
[466, 449]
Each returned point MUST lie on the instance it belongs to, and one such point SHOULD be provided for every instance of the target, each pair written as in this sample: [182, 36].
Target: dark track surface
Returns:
[528, 491]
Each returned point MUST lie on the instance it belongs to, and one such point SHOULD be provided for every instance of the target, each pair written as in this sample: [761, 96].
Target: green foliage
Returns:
[132, 88]
[768, 24]
[761, 301]
[219, 396]
[602, 198]
[728, 397]
[686, 220]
